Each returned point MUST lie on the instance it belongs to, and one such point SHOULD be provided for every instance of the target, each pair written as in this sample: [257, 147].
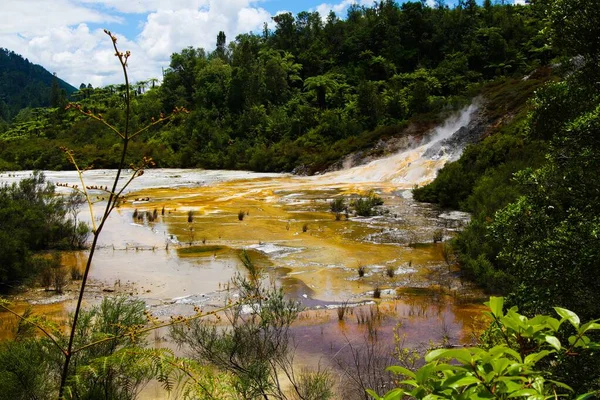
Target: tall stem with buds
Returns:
[114, 195]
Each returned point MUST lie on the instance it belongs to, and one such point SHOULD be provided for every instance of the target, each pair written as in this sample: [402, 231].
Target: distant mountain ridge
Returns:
[24, 84]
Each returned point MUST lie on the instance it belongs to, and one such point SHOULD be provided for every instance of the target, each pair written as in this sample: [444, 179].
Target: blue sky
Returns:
[66, 36]
[134, 22]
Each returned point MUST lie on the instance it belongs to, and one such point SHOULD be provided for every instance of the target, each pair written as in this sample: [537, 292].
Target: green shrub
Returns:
[315, 385]
[524, 356]
[377, 293]
[338, 205]
[33, 219]
[390, 271]
[81, 236]
[29, 367]
[254, 347]
[27, 370]
[363, 206]
[361, 270]
[241, 215]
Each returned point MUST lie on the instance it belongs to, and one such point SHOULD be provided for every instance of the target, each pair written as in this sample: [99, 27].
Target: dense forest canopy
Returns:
[304, 94]
[533, 187]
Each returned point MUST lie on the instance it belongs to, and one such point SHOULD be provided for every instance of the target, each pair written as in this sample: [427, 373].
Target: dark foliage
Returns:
[32, 219]
[533, 187]
[303, 95]
[23, 84]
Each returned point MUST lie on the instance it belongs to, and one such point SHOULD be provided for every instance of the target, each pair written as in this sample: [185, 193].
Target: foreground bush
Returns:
[114, 367]
[520, 357]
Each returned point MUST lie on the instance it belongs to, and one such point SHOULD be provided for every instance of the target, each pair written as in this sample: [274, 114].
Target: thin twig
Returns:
[118, 194]
[161, 119]
[125, 140]
[97, 118]
[83, 188]
[41, 328]
[112, 202]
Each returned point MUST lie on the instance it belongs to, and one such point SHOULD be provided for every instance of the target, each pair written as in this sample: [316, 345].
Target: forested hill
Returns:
[532, 187]
[23, 84]
[312, 90]
[303, 94]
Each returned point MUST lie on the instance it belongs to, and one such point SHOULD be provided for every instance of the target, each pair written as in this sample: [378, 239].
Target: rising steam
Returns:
[417, 165]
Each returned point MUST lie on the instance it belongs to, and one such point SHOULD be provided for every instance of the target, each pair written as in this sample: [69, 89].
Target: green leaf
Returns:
[451, 368]
[478, 395]
[511, 323]
[434, 397]
[590, 326]
[373, 394]
[523, 393]
[535, 357]
[410, 382]
[496, 304]
[553, 323]
[586, 396]
[394, 394]
[515, 369]
[500, 365]
[401, 371]
[561, 385]
[461, 355]
[554, 342]
[503, 349]
[512, 384]
[461, 381]
[424, 372]
[568, 315]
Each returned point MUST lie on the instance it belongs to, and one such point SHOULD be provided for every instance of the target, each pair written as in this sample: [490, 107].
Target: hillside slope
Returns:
[23, 84]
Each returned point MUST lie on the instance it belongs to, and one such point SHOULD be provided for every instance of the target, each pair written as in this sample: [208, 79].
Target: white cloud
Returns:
[168, 31]
[145, 6]
[251, 19]
[35, 16]
[56, 33]
[339, 8]
[80, 55]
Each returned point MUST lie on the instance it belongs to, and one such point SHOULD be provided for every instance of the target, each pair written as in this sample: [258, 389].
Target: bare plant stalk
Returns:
[115, 195]
[113, 199]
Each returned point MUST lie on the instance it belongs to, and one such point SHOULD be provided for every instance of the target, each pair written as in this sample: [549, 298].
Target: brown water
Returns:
[174, 265]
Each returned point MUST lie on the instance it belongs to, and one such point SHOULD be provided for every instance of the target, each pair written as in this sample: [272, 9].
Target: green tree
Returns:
[153, 82]
[548, 235]
[33, 220]
[285, 37]
[141, 87]
[55, 95]
[321, 85]
[221, 49]
[575, 28]
[179, 83]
